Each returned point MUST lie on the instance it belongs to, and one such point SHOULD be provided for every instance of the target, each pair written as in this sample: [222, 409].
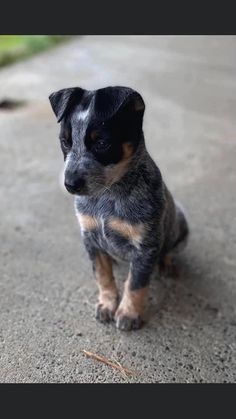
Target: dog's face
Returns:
[100, 131]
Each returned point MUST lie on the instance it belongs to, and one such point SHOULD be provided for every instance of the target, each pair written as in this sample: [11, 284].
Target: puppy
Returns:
[124, 208]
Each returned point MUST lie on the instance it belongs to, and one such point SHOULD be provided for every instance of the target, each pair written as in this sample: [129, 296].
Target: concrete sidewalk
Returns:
[47, 290]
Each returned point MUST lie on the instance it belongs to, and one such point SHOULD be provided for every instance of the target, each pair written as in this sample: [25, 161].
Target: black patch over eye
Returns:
[101, 146]
[65, 137]
[101, 142]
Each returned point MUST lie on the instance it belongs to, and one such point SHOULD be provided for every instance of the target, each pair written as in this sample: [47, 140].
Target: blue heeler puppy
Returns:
[124, 208]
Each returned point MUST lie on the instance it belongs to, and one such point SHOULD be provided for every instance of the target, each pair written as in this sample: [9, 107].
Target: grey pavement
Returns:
[47, 290]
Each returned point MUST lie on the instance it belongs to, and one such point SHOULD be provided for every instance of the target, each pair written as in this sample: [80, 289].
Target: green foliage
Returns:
[16, 47]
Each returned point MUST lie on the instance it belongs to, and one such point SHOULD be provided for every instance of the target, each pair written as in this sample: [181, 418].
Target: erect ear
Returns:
[63, 100]
[111, 100]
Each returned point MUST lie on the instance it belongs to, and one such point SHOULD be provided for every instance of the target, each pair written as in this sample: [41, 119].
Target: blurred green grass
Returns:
[17, 47]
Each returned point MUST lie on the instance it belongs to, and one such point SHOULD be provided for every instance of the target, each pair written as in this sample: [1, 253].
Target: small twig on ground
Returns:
[108, 362]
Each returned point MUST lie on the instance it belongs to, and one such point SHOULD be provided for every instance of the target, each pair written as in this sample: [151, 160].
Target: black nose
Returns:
[74, 185]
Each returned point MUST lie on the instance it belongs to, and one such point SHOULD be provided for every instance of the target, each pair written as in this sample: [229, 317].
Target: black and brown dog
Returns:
[124, 208]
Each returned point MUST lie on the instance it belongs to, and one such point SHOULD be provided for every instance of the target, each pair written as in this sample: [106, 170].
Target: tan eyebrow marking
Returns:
[93, 135]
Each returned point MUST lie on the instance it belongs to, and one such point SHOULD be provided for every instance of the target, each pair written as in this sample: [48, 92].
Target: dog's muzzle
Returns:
[75, 185]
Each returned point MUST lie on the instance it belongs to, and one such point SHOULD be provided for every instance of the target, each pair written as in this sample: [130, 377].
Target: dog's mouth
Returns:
[85, 187]
[76, 191]
[79, 192]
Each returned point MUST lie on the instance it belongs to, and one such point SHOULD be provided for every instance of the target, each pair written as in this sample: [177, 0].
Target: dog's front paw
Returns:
[127, 322]
[105, 312]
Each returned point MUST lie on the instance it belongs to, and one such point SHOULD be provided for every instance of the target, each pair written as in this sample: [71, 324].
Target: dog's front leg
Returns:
[108, 293]
[129, 314]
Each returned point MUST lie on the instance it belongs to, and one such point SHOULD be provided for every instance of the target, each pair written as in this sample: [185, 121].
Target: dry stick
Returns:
[122, 369]
[106, 361]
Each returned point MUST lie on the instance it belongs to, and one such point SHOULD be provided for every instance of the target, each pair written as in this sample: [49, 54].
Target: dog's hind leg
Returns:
[182, 228]
[167, 263]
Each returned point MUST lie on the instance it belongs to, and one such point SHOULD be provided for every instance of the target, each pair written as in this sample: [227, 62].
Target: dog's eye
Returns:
[101, 146]
[65, 143]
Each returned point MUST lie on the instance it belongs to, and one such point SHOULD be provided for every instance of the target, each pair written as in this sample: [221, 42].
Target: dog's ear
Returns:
[112, 100]
[63, 100]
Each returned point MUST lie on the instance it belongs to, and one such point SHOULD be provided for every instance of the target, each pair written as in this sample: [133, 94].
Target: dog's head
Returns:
[100, 132]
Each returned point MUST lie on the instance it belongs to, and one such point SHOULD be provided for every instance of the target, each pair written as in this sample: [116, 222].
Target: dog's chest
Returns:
[108, 230]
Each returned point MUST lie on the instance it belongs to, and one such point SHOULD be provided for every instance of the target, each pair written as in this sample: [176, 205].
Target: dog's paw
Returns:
[126, 323]
[104, 313]
[168, 267]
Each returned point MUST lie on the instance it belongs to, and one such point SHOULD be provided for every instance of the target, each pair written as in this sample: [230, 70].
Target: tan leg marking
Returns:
[87, 222]
[133, 232]
[108, 294]
[129, 314]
